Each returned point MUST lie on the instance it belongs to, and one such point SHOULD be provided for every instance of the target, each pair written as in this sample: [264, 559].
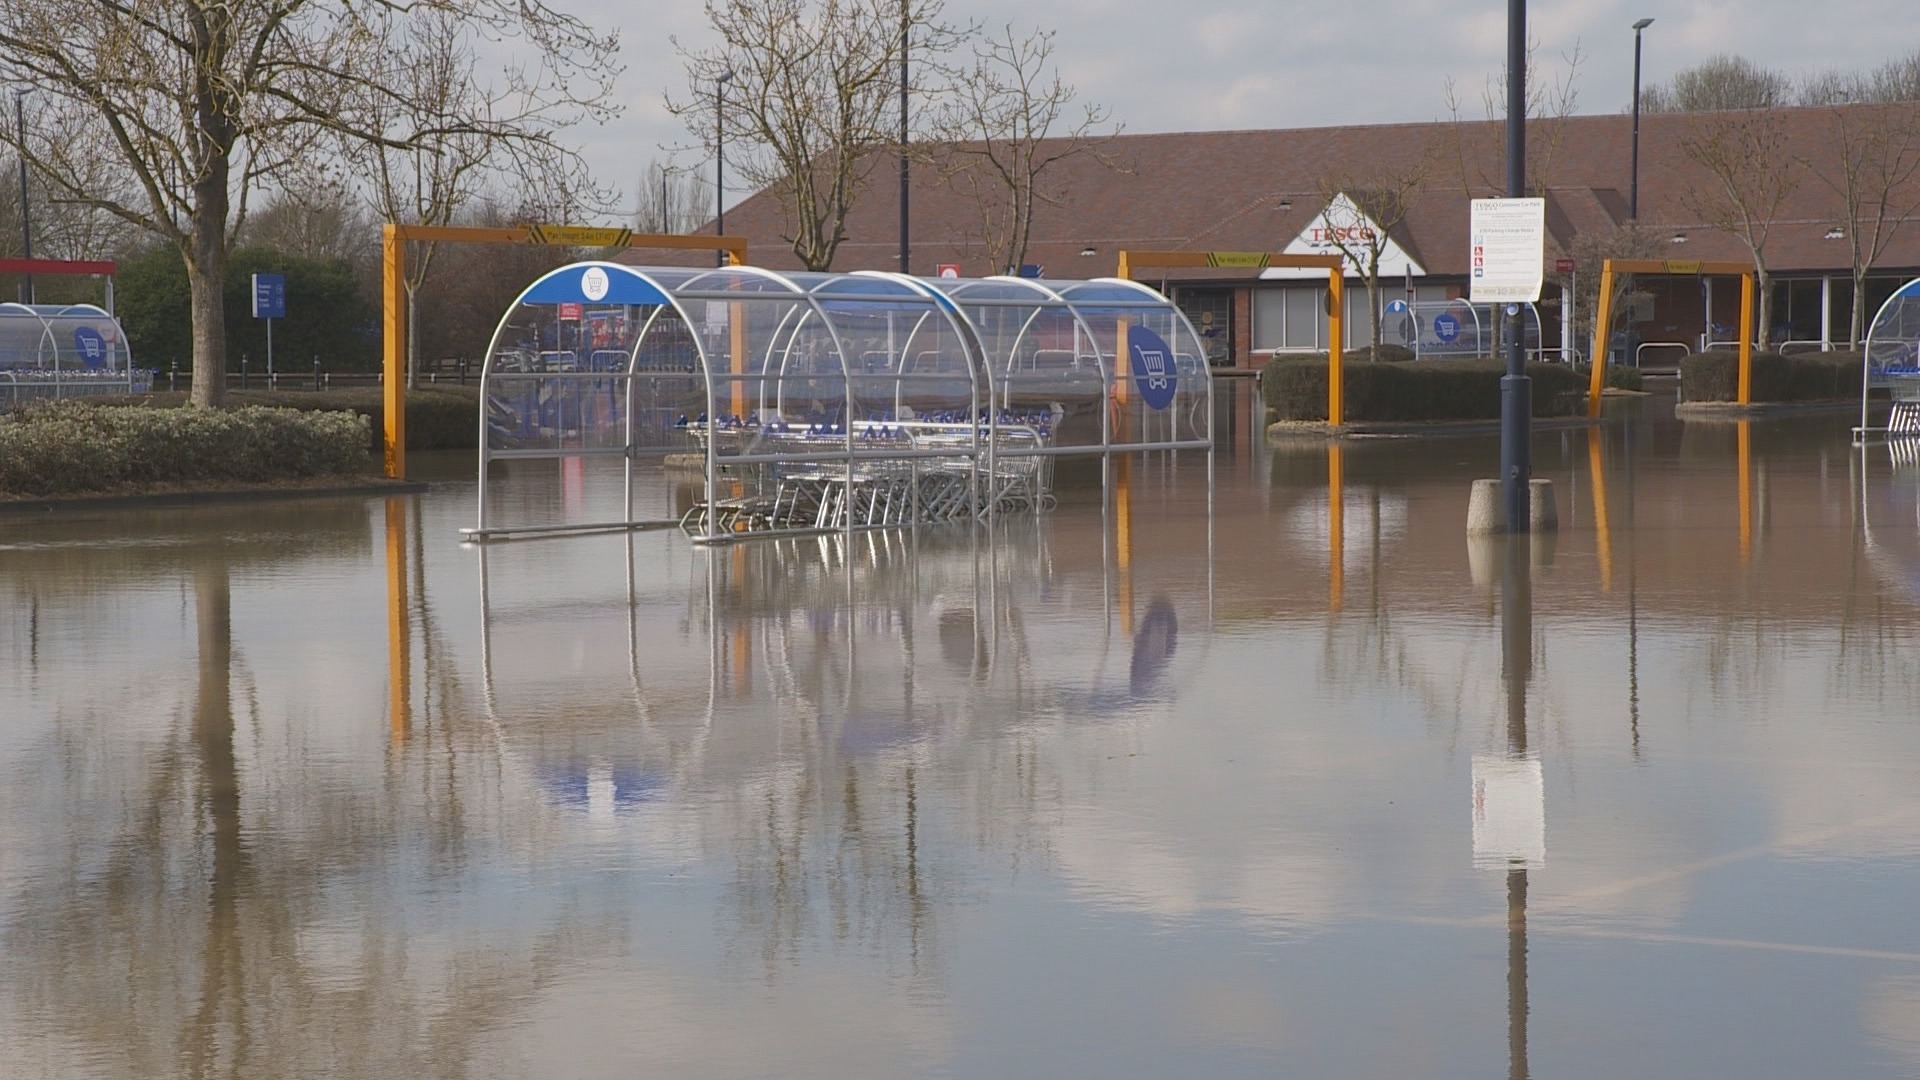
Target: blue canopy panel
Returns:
[593, 283]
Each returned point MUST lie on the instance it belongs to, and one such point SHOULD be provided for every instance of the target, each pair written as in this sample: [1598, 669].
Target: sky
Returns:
[1227, 64]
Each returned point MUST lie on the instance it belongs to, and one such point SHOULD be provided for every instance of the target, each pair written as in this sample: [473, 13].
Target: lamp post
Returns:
[1633, 190]
[1516, 389]
[26, 222]
[720, 161]
[905, 26]
[666, 217]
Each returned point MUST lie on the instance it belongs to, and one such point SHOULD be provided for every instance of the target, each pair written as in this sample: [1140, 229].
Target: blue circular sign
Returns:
[91, 346]
[1153, 371]
[1395, 307]
[1446, 328]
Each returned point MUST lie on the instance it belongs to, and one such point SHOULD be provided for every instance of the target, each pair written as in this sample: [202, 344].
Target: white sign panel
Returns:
[1509, 812]
[1342, 228]
[1508, 251]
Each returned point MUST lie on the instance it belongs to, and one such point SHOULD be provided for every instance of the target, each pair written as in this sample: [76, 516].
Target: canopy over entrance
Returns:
[837, 400]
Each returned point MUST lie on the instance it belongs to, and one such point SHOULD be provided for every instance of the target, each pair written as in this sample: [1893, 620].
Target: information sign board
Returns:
[1508, 250]
[269, 296]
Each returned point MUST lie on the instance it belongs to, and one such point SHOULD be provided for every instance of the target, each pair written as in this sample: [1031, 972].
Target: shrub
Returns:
[1715, 376]
[1386, 354]
[69, 447]
[1296, 388]
[1618, 376]
[438, 417]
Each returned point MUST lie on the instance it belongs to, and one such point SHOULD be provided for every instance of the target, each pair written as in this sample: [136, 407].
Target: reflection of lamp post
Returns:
[1633, 196]
[26, 223]
[720, 161]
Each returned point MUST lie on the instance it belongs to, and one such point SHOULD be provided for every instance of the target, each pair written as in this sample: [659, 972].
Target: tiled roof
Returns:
[1256, 190]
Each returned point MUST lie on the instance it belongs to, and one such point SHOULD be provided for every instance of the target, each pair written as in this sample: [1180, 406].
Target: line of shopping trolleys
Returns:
[784, 476]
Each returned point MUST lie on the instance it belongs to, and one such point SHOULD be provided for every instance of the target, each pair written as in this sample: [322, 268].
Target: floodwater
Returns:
[1310, 788]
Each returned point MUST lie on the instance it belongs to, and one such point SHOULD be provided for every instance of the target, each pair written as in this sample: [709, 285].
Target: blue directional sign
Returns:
[1396, 307]
[1153, 370]
[269, 296]
[1446, 328]
[90, 345]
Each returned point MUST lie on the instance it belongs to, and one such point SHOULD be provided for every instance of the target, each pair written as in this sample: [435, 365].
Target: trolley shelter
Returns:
[64, 350]
[819, 401]
[1892, 363]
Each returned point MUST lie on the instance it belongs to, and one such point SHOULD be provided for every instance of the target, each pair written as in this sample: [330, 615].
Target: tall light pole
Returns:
[905, 26]
[720, 161]
[26, 222]
[1516, 390]
[1633, 190]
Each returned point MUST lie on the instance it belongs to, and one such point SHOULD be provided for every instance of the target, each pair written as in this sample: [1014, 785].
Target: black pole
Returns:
[720, 163]
[1633, 189]
[904, 26]
[1516, 392]
[26, 222]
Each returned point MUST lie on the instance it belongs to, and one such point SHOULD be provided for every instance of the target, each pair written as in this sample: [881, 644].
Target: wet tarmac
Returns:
[1260, 771]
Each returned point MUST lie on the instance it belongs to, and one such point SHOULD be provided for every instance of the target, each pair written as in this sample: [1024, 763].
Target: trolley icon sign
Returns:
[1155, 377]
[90, 345]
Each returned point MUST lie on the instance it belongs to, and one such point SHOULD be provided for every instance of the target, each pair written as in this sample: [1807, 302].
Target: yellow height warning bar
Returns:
[578, 236]
[1241, 259]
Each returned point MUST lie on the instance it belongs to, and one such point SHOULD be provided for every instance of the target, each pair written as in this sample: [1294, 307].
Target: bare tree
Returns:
[1719, 84]
[1476, 150]
[672, 200]
[1363, 210]
[321, 220]
[1008, 119]
[1590, 250]
[810, 88]
[1871, 160]
[1749, 177]
[173, 112]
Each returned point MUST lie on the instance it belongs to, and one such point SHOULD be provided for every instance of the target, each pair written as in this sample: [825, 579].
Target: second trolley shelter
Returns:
[602, 358]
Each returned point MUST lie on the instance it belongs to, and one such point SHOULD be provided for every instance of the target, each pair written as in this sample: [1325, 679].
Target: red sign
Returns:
[949, 270]
[1563, 266]
[570, 312]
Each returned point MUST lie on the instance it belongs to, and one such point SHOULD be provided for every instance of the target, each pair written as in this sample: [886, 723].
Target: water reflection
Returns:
[312, 790]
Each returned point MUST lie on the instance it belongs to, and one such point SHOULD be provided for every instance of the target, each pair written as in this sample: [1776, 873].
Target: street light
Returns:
[26, 223]
[720, 161]
[666, 219]
[1633, 196]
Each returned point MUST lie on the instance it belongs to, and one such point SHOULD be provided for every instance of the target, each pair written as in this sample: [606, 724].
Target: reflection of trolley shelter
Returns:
[840, 401]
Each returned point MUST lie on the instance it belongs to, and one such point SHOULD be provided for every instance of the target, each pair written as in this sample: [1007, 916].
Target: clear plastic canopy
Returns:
[755, 368]
[1892, 362]
[66, 337]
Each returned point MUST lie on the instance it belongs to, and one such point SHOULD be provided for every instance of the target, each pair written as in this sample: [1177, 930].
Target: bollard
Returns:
[243, 371]
[1486, 510]
[316, 371]
[173, 376]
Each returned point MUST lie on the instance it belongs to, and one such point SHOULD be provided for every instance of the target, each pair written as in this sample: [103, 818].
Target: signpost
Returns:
[269, 303]
[1509, 250]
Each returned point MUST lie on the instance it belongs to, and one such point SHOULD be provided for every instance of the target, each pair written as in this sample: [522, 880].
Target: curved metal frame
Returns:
[816, 299]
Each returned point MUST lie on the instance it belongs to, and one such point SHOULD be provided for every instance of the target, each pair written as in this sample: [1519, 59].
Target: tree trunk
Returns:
[1858, 320]
[1762, 308]
[206, 275]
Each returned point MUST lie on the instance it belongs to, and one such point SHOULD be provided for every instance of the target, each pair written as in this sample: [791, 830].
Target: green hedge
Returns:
[73, 447]
[1296, 388]
[439, 417]
[1825, 376]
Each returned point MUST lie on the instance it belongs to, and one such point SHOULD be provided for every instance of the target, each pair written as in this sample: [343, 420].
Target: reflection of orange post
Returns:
[1336, 527]
[1746, 492]
[1596, 461]
[399, 633]
[742, 652]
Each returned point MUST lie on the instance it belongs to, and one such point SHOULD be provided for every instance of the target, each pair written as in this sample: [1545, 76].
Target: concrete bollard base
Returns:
[1486, 512]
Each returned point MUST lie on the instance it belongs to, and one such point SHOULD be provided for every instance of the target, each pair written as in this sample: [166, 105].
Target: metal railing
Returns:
[36, 384]
[1640, 351]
